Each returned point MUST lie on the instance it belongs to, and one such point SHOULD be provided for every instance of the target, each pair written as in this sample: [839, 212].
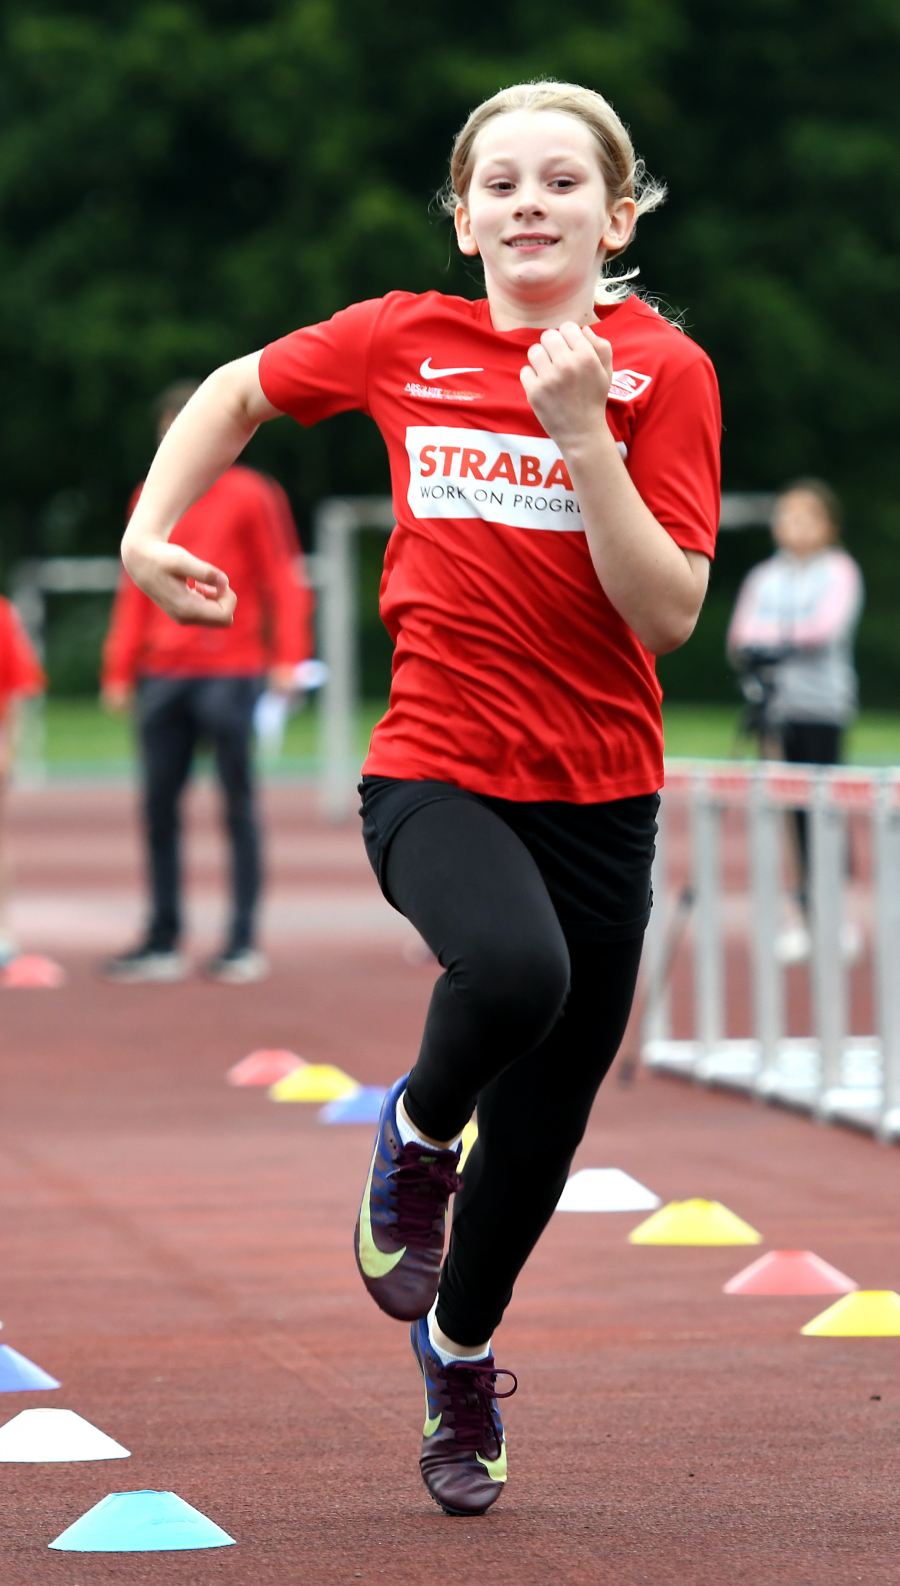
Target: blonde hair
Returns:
[624, 174]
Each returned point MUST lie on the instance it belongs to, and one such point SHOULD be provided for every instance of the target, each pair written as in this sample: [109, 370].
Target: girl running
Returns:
[554, 455]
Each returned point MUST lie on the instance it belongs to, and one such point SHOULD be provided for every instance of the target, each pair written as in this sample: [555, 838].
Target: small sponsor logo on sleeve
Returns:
[628, 384]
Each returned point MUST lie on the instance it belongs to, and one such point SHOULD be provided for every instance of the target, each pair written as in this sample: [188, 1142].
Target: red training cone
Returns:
[790, 1272]
[31, 970]
[264, 1067]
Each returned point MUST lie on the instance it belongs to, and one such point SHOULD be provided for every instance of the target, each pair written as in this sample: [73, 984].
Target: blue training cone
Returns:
[363, 1106]
[18, 1375]
[141, 1522]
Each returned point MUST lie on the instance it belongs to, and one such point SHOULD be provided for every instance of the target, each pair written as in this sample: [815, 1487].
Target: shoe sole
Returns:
[457, 1514]
[146, 980]
[240, 979]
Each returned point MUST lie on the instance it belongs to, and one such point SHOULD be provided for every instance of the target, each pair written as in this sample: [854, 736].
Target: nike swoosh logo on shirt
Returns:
[428, 373]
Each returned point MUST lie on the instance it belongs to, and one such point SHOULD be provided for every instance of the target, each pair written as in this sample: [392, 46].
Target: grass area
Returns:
[80, 738]
[709, 732]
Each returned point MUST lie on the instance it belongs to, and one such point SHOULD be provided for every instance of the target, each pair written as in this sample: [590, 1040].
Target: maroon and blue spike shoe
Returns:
[463, 1459]
[399, 1236]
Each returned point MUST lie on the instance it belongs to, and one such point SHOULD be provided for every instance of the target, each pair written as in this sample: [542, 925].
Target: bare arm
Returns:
[657, 587]
[205, 439]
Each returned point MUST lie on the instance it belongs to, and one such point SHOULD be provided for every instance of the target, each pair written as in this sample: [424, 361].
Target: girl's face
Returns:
[537, 210]
[801, 525]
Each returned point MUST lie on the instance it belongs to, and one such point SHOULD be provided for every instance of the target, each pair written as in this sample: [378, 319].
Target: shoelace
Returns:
[423, 1184]
[472, 1391]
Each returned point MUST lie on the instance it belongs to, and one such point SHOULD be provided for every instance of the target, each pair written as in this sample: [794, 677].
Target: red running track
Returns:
[179, 1254]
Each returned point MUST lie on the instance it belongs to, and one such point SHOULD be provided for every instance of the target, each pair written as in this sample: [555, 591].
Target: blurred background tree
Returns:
[180, 183]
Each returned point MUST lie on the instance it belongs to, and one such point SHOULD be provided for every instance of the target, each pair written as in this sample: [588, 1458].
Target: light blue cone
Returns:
[141, 1522]
[18, 1375]
[363, 1106]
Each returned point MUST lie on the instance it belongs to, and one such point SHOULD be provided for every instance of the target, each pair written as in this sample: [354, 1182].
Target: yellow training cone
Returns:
[869, 1313]
[694, 1222]
[317, 1082]
[469, 1136]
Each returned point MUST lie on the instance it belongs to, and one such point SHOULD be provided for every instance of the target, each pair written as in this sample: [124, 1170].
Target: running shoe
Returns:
[238, 966]
[146, 965]
[463, 1459]
[399, 1235]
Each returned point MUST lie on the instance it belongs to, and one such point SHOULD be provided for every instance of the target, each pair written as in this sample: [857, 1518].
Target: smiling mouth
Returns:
[532, 242]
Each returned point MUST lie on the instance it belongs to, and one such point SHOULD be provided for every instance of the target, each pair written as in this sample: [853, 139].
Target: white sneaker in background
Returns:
[144, 966]
[8, 951]
[238, 967]
[852, 942]
[793, 945]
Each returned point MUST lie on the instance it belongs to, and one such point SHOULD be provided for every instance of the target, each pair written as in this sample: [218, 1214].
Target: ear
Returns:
[619, 226]
[464, 237]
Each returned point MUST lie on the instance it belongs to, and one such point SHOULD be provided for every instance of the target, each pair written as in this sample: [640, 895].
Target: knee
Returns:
[518, 988]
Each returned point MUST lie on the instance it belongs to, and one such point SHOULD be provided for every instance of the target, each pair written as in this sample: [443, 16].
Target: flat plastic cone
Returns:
[317, 1082]
[695, 1222]
[789, 1272]
[361, 1106]
[49, 1436]
[869, 1313]
[18, 1375]
[469, 1136]
[30, 970]
[264, 1067]
[605, 1189]
[141, 1522]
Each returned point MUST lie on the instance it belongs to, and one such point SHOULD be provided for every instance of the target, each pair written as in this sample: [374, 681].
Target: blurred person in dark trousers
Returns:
[192, 685]
[791, 639]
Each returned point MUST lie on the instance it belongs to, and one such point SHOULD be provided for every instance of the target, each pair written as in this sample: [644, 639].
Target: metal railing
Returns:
[332, 571]
[828, 1071]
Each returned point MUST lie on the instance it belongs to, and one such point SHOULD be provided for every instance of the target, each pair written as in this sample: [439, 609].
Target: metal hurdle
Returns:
[828, 1072]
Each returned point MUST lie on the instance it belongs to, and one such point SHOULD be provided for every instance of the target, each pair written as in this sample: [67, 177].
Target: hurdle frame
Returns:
[836, 1076]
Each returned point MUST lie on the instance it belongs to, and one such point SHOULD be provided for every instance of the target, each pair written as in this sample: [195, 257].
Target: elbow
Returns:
[662, 638]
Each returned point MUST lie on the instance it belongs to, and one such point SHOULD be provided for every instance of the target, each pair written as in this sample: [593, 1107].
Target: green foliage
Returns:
[183, 180]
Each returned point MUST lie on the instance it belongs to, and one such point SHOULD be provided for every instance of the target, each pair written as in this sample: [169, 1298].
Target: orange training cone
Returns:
[790, 1272]
[30, 970]
[265, 1067]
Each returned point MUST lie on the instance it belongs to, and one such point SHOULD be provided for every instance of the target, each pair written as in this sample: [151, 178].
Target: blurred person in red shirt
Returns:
[21, 674]
[192, 684]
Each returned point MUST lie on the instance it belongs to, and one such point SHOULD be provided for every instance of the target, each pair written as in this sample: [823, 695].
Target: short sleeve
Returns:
[321, 369]
[674, 456]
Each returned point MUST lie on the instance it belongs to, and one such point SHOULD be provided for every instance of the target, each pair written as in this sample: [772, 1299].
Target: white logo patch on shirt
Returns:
[627, 384]
[518, 480]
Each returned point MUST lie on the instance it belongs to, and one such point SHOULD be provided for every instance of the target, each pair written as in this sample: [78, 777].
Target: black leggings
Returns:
[808, 743]
[521, 1022]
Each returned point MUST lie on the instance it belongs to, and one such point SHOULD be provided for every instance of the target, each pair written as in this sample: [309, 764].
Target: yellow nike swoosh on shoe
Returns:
[432, 1422]
[496, 1468]
[374, 1262]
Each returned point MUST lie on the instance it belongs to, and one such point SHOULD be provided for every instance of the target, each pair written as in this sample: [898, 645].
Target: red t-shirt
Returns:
[513, 675]
[244, 526]
[20, 670]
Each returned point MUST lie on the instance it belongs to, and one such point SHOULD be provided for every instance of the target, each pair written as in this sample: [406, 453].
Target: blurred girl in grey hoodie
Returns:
[791, 637]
